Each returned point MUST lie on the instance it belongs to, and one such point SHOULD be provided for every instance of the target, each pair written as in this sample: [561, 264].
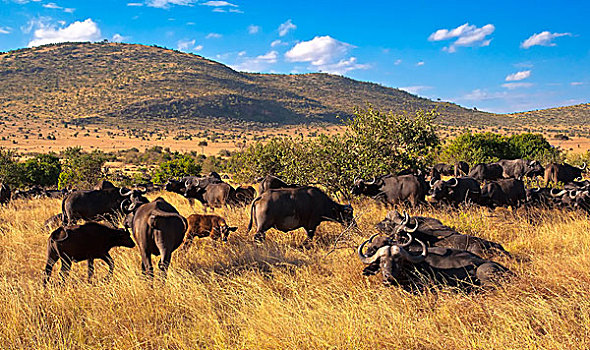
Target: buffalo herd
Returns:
[412, 252]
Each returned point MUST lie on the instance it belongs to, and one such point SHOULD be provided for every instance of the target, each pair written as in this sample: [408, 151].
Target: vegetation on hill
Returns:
[114, 82]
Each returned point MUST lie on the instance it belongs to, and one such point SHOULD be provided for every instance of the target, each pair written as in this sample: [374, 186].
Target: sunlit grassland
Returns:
[240, 295]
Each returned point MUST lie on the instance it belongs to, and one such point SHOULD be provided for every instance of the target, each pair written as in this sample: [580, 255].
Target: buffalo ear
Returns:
[232, 229]
[59, 234]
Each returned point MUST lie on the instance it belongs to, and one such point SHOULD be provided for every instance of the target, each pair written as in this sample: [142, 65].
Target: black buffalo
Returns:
[455, 191]
[213, 195]
[482, 172]
[97, 204]
[563, 173]
[461, 168]
[245, 194]
[84, 242]
[519, 168]
[158, 229]
[4, 193]
[272, 182]
[503, 192]
[391, 189]
[446, 266]
[441, 169]
[288, 209]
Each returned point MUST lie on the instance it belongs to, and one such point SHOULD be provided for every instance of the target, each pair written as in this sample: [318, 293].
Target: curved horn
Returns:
[124, 206]
[557, 194]
[370, 259]
[536, 189]
[433, 182]
[413, 229]
[410, 240]
[406, 219]
[456, 182]
[372, 182]
[583, 167]
[186, 183]
[142, 190]
[125, 194]
[414, 259]
[575, 193]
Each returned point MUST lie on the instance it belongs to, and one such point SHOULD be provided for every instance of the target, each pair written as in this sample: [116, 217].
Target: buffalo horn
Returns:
[124, 205]
[406, 219]
[574, 194]
[583, 166]
[413, 229]
[372, 182]
[410, 240]
[370, 259]
[433, 182]
[142, 189]
[557, 194]
[455, 182]
[414, 259]
[123, 193]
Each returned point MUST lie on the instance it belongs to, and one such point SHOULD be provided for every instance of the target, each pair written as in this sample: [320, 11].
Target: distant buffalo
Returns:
[4, 194]
[391, 189]
[563, 173]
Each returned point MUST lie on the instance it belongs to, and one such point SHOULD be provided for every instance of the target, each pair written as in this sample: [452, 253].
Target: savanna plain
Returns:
[276, 295]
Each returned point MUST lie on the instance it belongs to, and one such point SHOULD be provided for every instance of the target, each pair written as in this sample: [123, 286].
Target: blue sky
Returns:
[501, 56]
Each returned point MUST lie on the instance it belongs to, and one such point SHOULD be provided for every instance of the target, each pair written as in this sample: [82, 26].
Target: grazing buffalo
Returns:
[435, 234]
[391, 189]
[455, 191]
[84, 242]
[207, 225]
[519, 168]
[214, 195]
[482, 172]
[272, 182]
[245, 194]
[97, 204]
[4, 194]
[445, 266]
[158, 229]
[503, 192]
[563, 173]
[461, 168]
[288, 209]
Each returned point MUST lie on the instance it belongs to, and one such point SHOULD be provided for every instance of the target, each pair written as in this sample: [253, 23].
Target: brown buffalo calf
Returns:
[84, 242]
[207, 225]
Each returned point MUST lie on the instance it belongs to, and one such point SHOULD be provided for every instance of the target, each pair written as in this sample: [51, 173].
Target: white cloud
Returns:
[198, 48]
[420, 64]
[512, 86]
[5, 30]
[164, 4]
[134, 4]
[482, 95]
[319, 50]
[518, 75]
[467, 35]
[543, 39]
[117, 38]
[343, 66]
[275, 43]
[219, 4]
[286, 27]
[236, 11]
[69, 10]
[213, 36]
[256, 64]
[576, 83]
[252, 29]
[51, 5]
[183, 45]
[398, 62]
[78, 31]
[415, 89]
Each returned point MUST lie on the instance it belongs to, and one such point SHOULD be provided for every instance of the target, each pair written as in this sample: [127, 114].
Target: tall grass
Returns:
[240, 295]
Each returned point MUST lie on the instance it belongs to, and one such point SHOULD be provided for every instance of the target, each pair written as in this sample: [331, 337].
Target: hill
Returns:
[113, 82]
[576, 116]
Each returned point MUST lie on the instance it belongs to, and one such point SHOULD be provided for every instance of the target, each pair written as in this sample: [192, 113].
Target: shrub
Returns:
[42, 170]
[176, 168]
[81, 169]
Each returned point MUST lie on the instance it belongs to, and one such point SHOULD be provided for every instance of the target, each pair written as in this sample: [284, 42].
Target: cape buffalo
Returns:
[441, 169]
[446, 266]
[84, 242]
[519, 168]
[482, 172]
[158, 229]
[207, 225]
[288, 209]
[563, 173]
[461, 168]
[391, 189]
[4, 194]
[269, 182]
[455, 191]
[214, 195]
[245, 194]
[103, 185]
[435, 234]
[96, 204]
[503, 192]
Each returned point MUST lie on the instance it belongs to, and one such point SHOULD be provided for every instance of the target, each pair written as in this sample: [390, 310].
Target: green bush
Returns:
[11, 172]
[42, 170]
[176, 168]
[81, 169]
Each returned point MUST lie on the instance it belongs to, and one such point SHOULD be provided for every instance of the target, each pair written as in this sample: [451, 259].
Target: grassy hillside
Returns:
[240, 295]
[110, 81]
[576, 116]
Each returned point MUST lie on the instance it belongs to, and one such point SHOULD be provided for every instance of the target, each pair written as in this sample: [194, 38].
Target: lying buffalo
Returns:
[461, 168]
[288, 209]
[503, 192]
[158, 229]
[439, 265]
[435, 234]
[563, 173]
[84, 242]
[483, 172]
[455, 191]
[391, 189]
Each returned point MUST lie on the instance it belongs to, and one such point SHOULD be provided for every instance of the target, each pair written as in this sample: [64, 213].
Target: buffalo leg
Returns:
[146, 265]
[66, 265]
[310, 233]
[52, 258]
[165, 262]
[109, 260]
[90, 270]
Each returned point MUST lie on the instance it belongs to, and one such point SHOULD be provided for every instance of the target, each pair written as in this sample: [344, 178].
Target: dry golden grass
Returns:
[276, 296]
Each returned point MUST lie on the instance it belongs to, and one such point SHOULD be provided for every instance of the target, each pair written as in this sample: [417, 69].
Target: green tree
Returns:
[42, 170]
[81, 169]
[176, 168]
[11, 172]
